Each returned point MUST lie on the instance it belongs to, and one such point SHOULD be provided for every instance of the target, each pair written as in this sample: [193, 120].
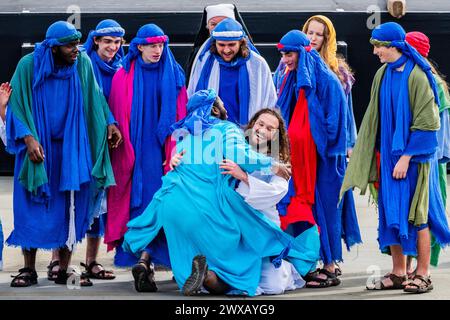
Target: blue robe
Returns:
[104, 73]
[229, 91]
[394, 205]
[38, 224]
[328, 117]
[201, 213]
[152, 157]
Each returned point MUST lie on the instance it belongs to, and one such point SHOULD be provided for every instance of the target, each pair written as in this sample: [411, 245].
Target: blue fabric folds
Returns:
[170, 79]
[239, 63]
[396, 35]
[232, 235]
[397, 140]
[76, 157]
[198, 118]
[104, 71]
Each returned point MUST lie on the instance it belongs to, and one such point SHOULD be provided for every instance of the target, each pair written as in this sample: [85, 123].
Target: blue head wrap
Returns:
[391, 34]
[106, 27]
[76, 160]
[314, 76]
[198, 113]
[58, 34]
[147, 34]
[297, 41]
[228, 30]
[171, 80]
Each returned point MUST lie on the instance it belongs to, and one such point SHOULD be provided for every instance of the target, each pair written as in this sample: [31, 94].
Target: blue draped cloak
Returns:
[394, 139]
[201, 213]
[328, 116]
[42, 223]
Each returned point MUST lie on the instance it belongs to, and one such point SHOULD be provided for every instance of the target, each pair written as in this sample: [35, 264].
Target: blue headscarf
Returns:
[198, 113]
[227, 30]
[58, 34]
[172, 79]
[111, 28]
[311, 75]
[108, 27]
[76, 162]
[391, 34]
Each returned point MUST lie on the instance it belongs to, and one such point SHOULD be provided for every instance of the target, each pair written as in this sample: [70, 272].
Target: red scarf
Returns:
[304, 165]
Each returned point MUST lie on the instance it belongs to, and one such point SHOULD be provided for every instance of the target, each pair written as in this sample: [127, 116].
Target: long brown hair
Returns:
[341, 63]
[244, 50]
[282, 138]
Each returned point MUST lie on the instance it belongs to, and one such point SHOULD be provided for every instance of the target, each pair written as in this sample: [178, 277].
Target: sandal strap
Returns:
[397, 280]
[25, 273]
[91, 266]
[53, 264]
[426, 280]
[328, 273]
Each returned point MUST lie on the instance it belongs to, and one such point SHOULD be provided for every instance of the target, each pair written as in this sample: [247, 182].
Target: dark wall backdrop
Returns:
[266, 29]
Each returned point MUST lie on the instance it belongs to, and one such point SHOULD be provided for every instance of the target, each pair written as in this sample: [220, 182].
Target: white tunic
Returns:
[263, 193]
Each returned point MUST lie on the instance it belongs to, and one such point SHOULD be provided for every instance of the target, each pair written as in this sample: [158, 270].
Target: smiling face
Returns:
[151, 53]
[107, 47]
[228, 49]
[316, 34]
[66, 54]
[386, 54]
[290, 59]
[264, 129]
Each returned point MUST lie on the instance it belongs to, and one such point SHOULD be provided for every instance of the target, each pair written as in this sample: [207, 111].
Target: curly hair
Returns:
[282, 138]
[244, 50]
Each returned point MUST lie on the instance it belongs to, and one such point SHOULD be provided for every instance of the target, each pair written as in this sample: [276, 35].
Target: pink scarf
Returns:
[122, 158]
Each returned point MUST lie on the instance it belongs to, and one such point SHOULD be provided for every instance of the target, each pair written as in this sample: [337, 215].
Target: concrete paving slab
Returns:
[362, 262]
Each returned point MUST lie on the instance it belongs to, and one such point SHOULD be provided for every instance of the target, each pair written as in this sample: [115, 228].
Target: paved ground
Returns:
[362, 262]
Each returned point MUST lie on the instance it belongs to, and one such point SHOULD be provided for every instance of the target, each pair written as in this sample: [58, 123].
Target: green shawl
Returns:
[362, 169]
[96, 110]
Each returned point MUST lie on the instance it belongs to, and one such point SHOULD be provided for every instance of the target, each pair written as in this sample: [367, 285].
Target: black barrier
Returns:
[266, 29]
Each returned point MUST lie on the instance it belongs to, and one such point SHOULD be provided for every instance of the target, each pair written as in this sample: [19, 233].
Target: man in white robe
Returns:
[237, 72]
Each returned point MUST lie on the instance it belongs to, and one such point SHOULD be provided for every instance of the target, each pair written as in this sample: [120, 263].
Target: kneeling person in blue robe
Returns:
[207, 225]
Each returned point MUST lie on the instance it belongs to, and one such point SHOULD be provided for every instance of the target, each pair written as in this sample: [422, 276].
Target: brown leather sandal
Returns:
[51, 274]
[102, 274]
[397, 283]
[425, 285]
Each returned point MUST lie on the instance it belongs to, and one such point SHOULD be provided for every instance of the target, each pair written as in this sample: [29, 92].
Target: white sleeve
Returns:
[263, 93]
[3, 131]
[196, 71]
[262, 195]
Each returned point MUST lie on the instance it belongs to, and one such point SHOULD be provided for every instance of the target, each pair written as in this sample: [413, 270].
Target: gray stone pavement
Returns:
[361, 263]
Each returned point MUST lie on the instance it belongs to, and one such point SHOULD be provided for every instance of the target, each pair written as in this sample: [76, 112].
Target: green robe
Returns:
[96, 110]
[362, 170]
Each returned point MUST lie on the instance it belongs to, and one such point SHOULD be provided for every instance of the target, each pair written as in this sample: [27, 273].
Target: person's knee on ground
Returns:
[214, 284]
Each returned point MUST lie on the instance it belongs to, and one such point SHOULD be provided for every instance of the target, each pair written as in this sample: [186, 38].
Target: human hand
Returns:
[5, 93]
[401, 168]
[234, 170]
[349, 152]
[282, 170]
[114, 136]
[34, 149]
[176, 160]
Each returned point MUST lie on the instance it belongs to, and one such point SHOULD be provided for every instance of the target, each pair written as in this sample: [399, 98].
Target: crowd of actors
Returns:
[106, 147]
